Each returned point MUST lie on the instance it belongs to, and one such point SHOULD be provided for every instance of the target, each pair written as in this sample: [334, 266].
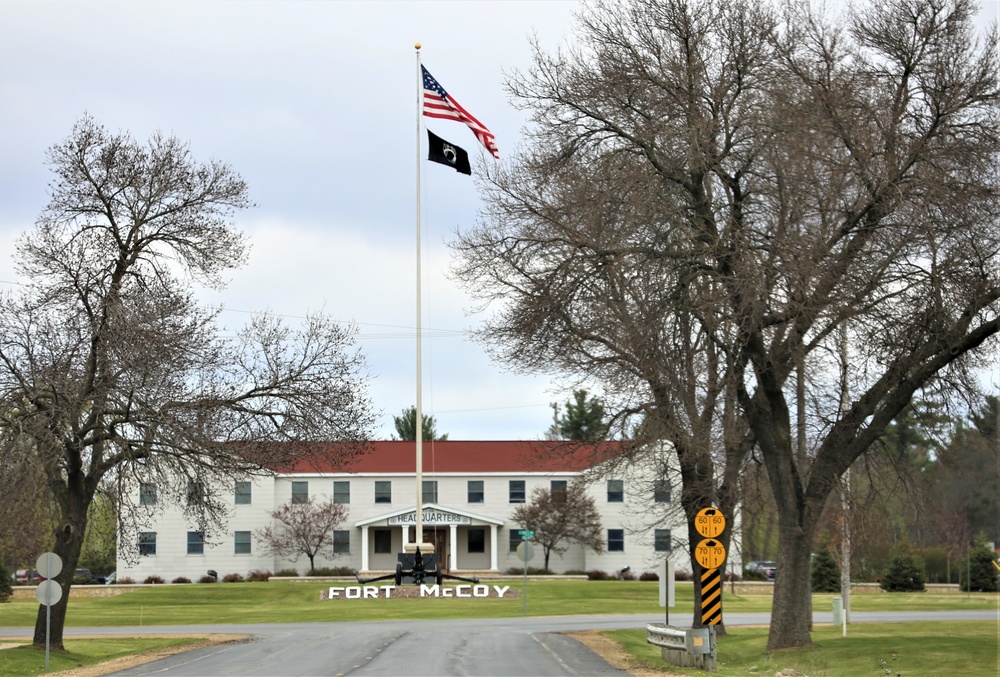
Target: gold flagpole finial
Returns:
[416, 45]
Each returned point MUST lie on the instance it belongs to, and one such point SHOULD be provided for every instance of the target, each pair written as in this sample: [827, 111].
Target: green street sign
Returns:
[526, 534]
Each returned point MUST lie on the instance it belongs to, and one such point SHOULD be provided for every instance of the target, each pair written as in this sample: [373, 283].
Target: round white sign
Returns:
[48, 593]
[49, 565]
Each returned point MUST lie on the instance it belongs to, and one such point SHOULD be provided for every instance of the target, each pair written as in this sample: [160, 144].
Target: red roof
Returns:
[452, 456]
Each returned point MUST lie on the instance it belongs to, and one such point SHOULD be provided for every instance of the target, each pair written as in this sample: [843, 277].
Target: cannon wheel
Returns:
[438, 574]
[399, 573]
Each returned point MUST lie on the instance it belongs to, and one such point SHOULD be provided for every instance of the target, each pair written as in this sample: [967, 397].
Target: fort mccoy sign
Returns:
[423, 591]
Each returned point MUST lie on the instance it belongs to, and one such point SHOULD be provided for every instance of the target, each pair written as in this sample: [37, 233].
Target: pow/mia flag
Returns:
[446, 153]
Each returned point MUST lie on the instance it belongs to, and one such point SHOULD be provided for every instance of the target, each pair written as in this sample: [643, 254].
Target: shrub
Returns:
[597, 575]
[259, 576]
[332, 571]
[904, 574]
[980, 571]
[286, 573]
[626, 576]
[181, 579]
[207, 579]
[125, 580]
[574, 572]
[153, 580]
[6, 590]
[532, 571]
[681, 575]
[825, 575]
[754, 575]
[649, 576]
[232, 578]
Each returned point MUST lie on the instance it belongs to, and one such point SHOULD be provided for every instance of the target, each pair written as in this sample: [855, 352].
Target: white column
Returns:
[364, 548]
[493, 548]
[453, 547]
[406, 536]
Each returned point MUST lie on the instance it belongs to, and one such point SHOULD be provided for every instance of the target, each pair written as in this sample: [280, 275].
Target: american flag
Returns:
[439, 104]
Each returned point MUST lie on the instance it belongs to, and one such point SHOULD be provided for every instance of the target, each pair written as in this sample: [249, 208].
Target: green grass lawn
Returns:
[280, 601]
[965, 648]
[24, 661]
[969, 649]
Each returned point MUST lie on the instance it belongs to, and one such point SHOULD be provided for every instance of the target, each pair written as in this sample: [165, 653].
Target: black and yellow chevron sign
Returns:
[711, 597]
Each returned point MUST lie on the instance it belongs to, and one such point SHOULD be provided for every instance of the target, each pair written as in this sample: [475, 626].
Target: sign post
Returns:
[525, 551]
[711, 555]
[49, 592]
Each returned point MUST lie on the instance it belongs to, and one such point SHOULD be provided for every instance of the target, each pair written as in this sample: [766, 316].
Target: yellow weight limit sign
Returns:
[710, 554]
[710, 522]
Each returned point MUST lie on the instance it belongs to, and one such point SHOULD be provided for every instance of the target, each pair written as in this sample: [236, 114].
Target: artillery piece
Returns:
[418, 568]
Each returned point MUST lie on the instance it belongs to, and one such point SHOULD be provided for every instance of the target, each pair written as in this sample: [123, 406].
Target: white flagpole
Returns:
[419, 536]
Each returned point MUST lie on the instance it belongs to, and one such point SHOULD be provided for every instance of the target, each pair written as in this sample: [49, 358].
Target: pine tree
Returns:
[904, 574]
[981, 571]
[825, 572]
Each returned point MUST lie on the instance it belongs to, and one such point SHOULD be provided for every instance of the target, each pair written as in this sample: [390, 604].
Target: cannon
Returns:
[418, 569]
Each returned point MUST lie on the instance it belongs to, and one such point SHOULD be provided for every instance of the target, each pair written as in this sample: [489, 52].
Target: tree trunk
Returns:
[791, 609]
[68, 544]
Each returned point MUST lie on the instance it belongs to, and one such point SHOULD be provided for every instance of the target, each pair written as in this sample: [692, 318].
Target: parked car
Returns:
[767, 568]
[82, 576]
[111, 578]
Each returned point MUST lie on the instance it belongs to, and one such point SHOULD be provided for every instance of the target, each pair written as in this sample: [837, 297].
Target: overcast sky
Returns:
[314, 103]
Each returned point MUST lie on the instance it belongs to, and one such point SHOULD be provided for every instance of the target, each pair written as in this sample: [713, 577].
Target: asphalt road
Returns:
[521, 647]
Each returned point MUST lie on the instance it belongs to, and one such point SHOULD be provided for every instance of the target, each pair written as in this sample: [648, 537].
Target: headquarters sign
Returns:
[430, 517]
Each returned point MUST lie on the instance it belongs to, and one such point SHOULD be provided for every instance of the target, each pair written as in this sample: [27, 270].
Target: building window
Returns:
[616, 491]
[383, 541]
[661, 491]
[243, 493]
[476, 492]
[300, 492]
[515, 540]
[559, 490]
[383, 491]
[342, 542]
[517, 491]
[147, 543]
[195, 493]
[477, 540]
[430, 494]
[661, 540]
[616, 540]
[342, 492]
[196, 543]
[147, 494]
[241, 543]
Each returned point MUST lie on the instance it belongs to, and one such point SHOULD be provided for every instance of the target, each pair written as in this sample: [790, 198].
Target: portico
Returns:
[463, 540]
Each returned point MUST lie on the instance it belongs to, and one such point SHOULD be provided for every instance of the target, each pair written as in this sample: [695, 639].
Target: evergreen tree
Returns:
[583, 420]
[825, 572]
[904, 574]
[406, 426]
[6, 590]
[981, 571]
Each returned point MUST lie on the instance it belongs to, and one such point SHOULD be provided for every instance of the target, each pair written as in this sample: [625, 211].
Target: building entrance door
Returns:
[439, 537]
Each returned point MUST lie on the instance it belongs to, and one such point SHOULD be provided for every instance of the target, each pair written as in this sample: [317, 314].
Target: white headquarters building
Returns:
[470, 490]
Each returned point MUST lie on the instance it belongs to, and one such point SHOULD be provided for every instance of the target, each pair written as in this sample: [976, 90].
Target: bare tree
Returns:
[561, 518]
[711, 191]
[110, 370]
[305, 529]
